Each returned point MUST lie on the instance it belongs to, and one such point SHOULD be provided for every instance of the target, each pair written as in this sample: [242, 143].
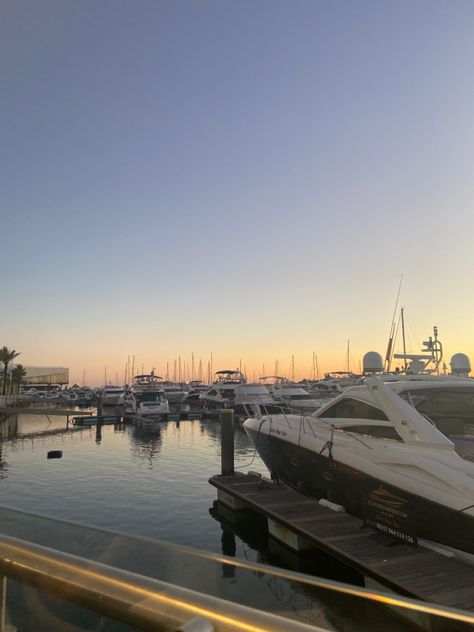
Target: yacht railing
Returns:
[144, 603]
[305, 422]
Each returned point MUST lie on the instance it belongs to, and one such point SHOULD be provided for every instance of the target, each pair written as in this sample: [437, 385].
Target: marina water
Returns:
[154, 485]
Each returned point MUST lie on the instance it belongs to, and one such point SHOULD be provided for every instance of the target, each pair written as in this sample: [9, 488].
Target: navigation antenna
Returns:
[435, 347]
[432, 352]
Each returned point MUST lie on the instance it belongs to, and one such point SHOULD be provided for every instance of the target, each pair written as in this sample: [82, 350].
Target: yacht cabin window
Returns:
[349, 408]
[380, 432]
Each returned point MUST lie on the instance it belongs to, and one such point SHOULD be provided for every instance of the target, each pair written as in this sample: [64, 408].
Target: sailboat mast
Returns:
[403, 338]
[388, 355]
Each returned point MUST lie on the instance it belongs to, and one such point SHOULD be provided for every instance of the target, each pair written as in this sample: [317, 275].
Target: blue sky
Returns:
[247, 178]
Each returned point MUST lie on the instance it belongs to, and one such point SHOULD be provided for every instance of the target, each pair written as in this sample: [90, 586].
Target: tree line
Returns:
[11, 381]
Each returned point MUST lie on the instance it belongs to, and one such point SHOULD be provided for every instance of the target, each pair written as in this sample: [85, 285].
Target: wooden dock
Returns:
[301, 521]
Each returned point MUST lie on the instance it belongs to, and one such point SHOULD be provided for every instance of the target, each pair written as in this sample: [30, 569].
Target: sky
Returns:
[244, 178]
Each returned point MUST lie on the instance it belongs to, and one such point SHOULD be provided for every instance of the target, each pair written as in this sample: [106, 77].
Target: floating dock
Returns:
[303, 523]
[50, 411]
[92, 420]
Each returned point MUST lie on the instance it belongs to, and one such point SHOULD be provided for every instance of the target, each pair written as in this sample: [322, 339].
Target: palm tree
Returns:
[18, 373]
[6, 356]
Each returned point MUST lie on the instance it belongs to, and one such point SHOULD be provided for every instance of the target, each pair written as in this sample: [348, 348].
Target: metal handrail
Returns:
[145, 603]
[344, 590]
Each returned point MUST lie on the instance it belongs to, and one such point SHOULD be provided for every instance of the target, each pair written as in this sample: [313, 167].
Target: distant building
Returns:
[45, 376]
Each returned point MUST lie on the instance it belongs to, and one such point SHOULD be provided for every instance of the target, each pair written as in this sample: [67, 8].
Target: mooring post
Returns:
[3, 601]
[227, 441]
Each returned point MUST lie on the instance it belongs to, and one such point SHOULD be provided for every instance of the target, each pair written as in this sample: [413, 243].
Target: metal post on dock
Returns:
[227, 441]
[4, 627]
[3, 601]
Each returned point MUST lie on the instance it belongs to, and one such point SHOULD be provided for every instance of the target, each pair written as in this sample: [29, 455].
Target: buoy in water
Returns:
[55, 454]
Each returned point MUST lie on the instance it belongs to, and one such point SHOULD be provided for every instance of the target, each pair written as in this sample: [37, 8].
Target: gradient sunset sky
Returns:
[249, 178]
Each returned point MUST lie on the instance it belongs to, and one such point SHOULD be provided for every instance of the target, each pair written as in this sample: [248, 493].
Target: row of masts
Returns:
[184, 370]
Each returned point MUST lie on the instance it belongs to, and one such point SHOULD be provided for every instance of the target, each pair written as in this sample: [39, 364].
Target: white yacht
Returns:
[146, 403]
[222, 390]
[193, 396]
[253, 396]
[174, 392]
[147, 382]
[332, 384]
[392, 450]
[112, 396]
[293, 395]
[146, 397]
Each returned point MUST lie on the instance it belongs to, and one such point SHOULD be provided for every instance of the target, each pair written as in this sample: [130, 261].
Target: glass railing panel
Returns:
[299, 597]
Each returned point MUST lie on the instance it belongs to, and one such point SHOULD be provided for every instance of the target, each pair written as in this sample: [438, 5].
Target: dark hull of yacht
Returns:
[322, 476]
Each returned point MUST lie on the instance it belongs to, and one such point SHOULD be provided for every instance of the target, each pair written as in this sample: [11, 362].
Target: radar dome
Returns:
[372, 362]
[460, 364]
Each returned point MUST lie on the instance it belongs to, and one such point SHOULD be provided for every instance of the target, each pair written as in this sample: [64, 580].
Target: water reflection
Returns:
[8, 430]
[255, 587]
[8, 426]
[244, 450]
[145, 445]
[98, 433]
[229, 548]
[309, 604]
[114, 483]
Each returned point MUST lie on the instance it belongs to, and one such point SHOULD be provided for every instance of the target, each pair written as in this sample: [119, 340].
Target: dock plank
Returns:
[416, 572]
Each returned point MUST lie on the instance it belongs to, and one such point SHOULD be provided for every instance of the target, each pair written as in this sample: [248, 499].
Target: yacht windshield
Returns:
[450, 408]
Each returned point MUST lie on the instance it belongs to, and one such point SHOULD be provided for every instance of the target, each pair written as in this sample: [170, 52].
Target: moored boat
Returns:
[372, 449]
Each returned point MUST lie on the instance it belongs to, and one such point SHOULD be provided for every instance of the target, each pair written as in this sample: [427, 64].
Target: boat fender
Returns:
[55, 454]
[334, 506]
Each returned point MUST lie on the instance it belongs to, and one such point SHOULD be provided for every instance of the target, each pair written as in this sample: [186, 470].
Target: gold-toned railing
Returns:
[152, 604]
[147, 604]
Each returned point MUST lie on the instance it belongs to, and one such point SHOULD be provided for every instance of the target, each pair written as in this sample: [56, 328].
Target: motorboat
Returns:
[293, 395]
[146, 403]
[222, 391]
[174, 392]
[395, 451]
[112, 396]
[196, 385]
[146, 382]
[254, 396]
[332, 384]
[193, 396]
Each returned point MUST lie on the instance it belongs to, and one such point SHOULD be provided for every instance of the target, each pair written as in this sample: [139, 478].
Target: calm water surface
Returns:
[153, 484]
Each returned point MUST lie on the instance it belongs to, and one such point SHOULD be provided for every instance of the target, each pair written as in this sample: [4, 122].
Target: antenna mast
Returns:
[403, 337]
[388, 355]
